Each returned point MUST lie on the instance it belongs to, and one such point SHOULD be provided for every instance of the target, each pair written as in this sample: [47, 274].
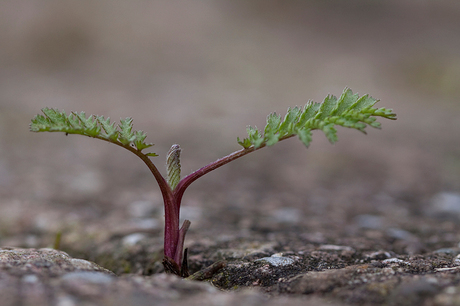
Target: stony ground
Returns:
[371, 220]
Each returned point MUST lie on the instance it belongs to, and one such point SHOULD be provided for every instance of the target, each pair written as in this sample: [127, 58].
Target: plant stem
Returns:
[180, 242]
[189, 179]
[172, 232]
[164, 187]
[173, 235]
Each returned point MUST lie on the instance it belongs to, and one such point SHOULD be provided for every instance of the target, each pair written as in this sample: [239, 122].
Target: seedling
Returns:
[349, 110]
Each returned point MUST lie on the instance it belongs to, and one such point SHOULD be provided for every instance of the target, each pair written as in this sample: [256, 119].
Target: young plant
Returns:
[349, 110]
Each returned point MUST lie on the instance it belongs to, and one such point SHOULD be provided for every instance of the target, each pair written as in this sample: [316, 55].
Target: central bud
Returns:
[173, 166]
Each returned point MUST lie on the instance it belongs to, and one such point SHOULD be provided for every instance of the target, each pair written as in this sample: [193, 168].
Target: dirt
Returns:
[371, 220]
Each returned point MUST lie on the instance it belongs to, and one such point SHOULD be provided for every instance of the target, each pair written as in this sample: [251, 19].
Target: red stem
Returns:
[180, 242]
[172, 232]
[189, 179]
[174, 237]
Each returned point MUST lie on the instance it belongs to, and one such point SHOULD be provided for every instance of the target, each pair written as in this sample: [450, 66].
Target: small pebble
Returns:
[287, 215]
[447, 251]
[88, 276]
[332, 247]
[369, 221]
[379, 255]
[445, 205]
[277, 260]
[132, 239]
[395, 261]
[400, 234]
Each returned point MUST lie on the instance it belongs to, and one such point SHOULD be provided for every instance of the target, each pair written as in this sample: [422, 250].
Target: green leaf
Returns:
[330, 132]
[305, 136]
[328, 105]
[363, 103]
[384, 112]
[289, 122]
[309, 111]
[255, 137]
[270, 132]
[122, 134]
[109, 128]
[139, 141]
[350, 111]
[126, 134]
[245, 143]
[346, 100]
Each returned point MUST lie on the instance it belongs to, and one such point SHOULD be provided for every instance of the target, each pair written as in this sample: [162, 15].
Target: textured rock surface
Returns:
[43, 277]
[50, 277]
[43, 262]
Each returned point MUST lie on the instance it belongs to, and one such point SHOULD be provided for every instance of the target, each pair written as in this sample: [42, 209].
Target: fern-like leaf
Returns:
[245, 143]
[271, 135]
[109, 128]
[139, 143]
[126, 134]
[349, 110]
[122, 134]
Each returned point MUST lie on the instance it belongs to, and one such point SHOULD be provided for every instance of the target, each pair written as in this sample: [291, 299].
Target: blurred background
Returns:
[197, 73]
